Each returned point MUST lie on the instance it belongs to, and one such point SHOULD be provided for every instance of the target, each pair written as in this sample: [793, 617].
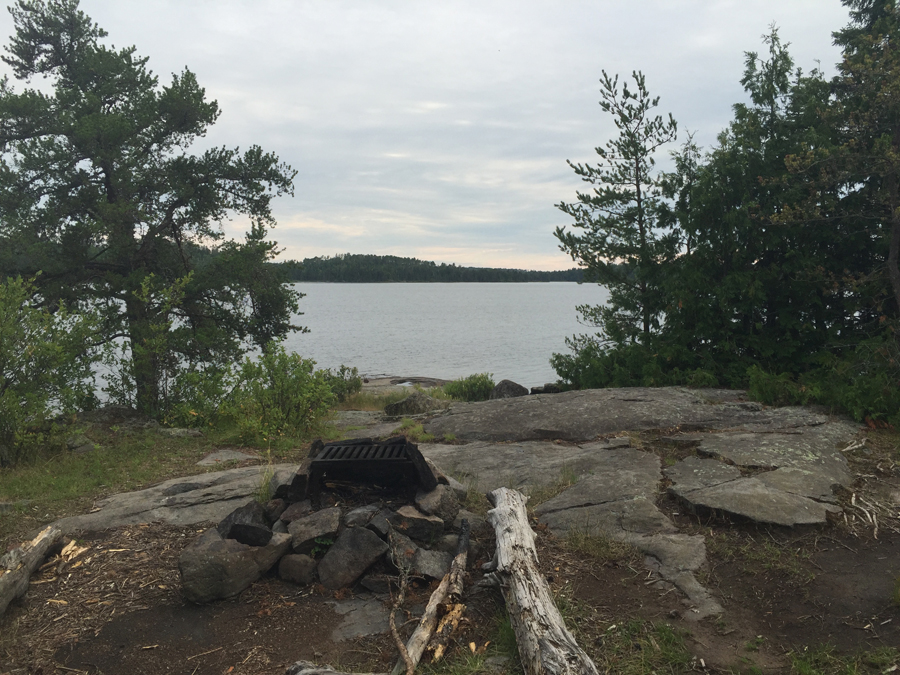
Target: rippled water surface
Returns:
[441, 330]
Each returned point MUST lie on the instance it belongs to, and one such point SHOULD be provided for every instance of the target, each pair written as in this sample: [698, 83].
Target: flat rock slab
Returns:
[753, 499]
[520, 466]
[222, 456]
[208, 497]
[585, 415]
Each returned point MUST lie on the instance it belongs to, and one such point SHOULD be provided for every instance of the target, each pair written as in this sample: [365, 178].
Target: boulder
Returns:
[414, 404]
[297, 568]
[296, 511]
[360, 517]
[212, 567]
[443, 478]
[247, 524]
[548, 388]
[355, 550]
[414, 524]
[431, 564]
[274, 508]
[306, 530]
[440, 502]
[507, 389]
[379, 524]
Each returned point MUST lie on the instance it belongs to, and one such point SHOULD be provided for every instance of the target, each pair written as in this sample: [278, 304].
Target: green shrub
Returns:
[781, 389]
[45, 368]
[472, 388]
[343, 383]
[279, 394]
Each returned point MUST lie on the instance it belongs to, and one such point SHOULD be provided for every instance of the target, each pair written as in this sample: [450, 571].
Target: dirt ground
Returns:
[116, 607]
[120, 610]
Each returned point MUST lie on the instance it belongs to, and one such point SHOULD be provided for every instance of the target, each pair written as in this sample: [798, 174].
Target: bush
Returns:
[278, 395]
[472, 388]
[343, 383]
[45, 368]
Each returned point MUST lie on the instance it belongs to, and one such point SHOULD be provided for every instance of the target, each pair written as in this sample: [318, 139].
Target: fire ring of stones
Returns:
[329, 521]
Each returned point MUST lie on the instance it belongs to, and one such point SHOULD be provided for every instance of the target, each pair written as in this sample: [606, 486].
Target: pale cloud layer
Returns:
[441, 130]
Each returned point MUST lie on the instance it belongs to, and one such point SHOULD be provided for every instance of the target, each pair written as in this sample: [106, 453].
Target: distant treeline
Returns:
[389, 268]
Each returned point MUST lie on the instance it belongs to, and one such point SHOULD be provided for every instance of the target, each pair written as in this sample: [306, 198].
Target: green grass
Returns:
[826, 661]
[413, 431]
[602, 548]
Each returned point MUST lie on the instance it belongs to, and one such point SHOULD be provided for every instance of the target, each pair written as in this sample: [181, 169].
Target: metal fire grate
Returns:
[393, 463]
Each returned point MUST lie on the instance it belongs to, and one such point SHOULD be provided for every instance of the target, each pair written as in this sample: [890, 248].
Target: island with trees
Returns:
[390, 268]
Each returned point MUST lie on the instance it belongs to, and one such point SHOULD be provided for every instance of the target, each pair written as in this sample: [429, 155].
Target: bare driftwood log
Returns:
[307, 668]
[545, 645]
[17, 566]
[415, 647]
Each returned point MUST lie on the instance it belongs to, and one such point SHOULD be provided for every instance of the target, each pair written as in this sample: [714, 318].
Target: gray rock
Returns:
[247, 524]
[753, 499]
[355, 550]
[378, 583]
[416, 525]
[212, 568]
[814, 448]
[443, 478]
[487, 466]
[693, 473]
[402, 551]
[360, 517]
[414, 404]
[548, 388]
[440, 502]
[190, 500]
[380, 524]
[219, 456]
[321, 524]
[180, 433]
[274, 508]
[79, 444]
[507, 389]
[804, 482]
[479, 526]
[360, 617]
[618, 474]
[298, 569]
[280, 526]
[280, 483]
[431, 564]
[296, 511]
[448, 543]
[587, 414]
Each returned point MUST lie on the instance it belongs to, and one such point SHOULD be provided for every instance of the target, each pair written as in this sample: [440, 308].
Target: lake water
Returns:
[441, 330]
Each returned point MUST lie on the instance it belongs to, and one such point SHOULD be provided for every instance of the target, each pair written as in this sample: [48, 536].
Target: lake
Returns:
[441, 330]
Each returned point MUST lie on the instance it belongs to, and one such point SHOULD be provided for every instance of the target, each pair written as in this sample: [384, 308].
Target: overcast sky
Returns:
[441, 129]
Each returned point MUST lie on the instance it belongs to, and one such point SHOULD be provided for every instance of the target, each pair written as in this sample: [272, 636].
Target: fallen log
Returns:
[308, 668]
[453, 608]
[546, 647]
[17, 566]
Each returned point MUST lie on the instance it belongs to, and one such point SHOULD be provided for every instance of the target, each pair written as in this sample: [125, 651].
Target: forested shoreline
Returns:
[358, 268]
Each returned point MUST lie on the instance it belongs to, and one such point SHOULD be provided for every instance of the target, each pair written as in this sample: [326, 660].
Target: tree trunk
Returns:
[546, 647]
[144, 359]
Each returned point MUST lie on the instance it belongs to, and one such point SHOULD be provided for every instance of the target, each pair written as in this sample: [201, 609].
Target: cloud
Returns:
[426, 128]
